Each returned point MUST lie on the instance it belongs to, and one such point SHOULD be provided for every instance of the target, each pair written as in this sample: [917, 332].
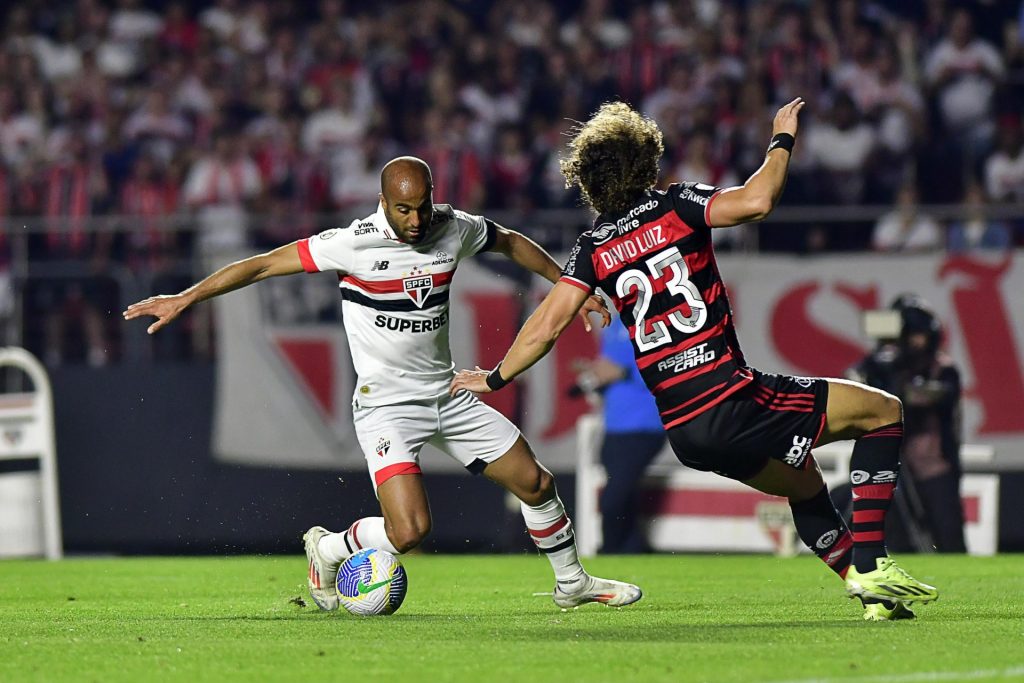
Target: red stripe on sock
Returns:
[860, 516]
[551, 530]
[873, 492]
[868, 536]
[355, 539]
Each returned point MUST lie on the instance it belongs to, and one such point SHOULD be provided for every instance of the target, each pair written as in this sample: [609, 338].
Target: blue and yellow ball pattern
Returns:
[372, 582]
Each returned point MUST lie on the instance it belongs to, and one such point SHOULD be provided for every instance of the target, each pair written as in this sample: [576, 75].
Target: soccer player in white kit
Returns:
[395, 268]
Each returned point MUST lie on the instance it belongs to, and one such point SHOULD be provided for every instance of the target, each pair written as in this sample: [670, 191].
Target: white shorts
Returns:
[464, 427]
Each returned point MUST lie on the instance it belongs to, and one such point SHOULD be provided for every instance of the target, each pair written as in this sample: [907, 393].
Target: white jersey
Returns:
[396, 299]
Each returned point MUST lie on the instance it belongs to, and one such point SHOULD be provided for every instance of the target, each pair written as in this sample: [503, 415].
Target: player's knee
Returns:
[410, 535]
[888, 410]
[539, 489]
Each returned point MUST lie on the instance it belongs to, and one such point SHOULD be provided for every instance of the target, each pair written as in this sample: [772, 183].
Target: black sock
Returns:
[823, 530]
[874, 468]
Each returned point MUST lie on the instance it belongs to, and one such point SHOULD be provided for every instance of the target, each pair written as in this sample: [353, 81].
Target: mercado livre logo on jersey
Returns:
[418, 286]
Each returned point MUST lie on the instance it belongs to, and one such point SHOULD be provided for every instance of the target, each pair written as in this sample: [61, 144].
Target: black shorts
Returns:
[775, 416]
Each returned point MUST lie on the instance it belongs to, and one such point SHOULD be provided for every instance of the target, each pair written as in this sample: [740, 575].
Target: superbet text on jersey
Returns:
[657, 264]
[396, 299]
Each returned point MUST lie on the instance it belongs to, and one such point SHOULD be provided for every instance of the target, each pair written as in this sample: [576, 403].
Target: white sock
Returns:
[367, 532]
[552, 533]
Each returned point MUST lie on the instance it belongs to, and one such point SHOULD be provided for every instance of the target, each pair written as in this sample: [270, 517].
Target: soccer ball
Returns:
[372, 582]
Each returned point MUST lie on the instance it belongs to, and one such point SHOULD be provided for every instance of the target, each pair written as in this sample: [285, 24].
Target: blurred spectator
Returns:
[158, 130]
[858, 74]
[840, 149]
[964, 70]
[285, 62]
[358, 186]
[977, 230]
[218, 188]
[148, 198]
[495, 96]
[457, 172]
[1004, 170]
[59, 58]
[21, 132]
[596, 21]
[72, 304]
[221, 18]
[906, 228]
[669, 103]
[897, 109]
[511, 170]
[699, 162]
[133, 24]
[334, 131]
[180, 32]
[639, 66]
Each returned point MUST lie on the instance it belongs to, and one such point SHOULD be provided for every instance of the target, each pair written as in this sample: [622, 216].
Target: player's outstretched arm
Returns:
[166, 307]
[538, 335]
[534, 258]
[758, 196]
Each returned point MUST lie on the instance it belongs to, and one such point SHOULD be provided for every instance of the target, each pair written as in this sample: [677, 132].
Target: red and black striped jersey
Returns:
[657, 264]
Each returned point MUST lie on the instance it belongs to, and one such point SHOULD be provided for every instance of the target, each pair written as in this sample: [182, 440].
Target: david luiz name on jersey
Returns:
[634, 246]
[690, 358]
[413, 326]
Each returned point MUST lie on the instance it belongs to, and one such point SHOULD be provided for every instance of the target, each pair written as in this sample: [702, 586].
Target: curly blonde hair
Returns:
[613, 157]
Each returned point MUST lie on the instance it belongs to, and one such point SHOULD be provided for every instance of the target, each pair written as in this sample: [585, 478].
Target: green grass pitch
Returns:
[472, 618]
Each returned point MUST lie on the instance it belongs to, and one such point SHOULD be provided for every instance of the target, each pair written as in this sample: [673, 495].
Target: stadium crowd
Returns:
[214, 112]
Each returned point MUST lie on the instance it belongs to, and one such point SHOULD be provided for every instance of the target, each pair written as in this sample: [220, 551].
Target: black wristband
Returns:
[782, 141]
[494, 379]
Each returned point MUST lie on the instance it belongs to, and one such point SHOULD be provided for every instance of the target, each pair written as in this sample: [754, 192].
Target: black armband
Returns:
[782, 141]
[494, 379]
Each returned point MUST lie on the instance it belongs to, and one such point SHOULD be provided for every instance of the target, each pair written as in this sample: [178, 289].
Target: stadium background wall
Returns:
[136, 485]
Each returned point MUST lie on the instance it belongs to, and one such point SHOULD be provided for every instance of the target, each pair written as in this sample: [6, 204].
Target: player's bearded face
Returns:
[409, 214]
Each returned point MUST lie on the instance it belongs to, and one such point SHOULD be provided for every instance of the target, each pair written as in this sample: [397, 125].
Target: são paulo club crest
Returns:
[383, 445]
[418, 286]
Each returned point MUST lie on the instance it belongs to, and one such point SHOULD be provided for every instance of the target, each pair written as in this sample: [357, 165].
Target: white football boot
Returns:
[322, 576]
[594, 589]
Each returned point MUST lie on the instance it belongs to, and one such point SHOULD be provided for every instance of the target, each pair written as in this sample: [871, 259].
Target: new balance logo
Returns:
[380, 265]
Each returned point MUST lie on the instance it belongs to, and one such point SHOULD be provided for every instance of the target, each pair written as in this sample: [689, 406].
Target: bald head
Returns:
[405, 194]
[403, 175]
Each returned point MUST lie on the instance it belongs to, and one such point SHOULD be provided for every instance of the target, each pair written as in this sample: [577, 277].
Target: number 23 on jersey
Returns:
[668, 266]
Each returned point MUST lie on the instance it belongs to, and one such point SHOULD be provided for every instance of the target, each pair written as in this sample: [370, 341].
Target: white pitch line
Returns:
[1010, 672]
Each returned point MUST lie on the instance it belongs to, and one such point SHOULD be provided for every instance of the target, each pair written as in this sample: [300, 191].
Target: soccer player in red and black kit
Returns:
[651, 252]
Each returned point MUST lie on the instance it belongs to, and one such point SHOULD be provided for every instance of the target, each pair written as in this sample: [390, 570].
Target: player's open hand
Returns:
[595, 304]
[165, 308]
[471, 380]
[786, 120]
